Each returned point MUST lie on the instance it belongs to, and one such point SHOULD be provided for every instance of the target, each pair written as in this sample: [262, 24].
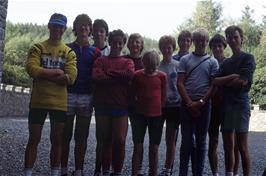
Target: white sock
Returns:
[229, 174]
[78, 173]
[28, 171]
[55, 171]
[236, 174]
[216, 174]
[64, 170]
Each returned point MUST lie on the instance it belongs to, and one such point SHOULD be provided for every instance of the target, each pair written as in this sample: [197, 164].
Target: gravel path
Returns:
[14, 134]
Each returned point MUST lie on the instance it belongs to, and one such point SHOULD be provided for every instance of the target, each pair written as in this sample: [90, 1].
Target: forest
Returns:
[208, 14]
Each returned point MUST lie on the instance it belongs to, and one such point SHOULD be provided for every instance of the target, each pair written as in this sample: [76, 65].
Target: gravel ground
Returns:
[14, 134]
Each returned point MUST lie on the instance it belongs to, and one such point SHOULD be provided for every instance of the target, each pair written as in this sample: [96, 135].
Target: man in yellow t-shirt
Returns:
[52, 65]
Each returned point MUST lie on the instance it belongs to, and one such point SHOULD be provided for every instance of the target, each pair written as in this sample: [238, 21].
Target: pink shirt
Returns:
[112, 76]
[149, 92]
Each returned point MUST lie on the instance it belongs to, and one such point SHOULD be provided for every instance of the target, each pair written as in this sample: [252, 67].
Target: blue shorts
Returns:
[38, 116]
[79, 104]
[236, 114]
[110, 112]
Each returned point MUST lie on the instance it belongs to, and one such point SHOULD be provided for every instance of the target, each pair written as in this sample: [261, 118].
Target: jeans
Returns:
[194, 126]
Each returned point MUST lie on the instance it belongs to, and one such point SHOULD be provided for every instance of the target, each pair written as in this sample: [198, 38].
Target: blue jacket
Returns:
[86, 55]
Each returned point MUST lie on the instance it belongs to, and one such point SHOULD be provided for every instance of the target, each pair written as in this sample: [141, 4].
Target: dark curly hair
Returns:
[231, 29]
[82, 18]
[115, 33]
[100, 23]
[217, 38]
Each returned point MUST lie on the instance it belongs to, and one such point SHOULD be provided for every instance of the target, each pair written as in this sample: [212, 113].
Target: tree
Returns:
[207, 15]
[258, 90]
[252, 31]
[20, 37]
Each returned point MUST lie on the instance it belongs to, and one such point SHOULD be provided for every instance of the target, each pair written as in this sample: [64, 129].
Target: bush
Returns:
[16, 75]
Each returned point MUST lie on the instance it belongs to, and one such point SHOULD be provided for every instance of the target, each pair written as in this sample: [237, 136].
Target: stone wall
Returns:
[14, 101]
[3, 13]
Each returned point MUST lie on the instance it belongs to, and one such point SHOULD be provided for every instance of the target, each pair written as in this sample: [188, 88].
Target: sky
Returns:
[150, 18]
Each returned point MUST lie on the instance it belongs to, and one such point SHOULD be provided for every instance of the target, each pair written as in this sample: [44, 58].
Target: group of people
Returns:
[192, 90]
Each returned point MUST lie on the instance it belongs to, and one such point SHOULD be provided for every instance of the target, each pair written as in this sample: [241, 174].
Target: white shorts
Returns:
[79, 104]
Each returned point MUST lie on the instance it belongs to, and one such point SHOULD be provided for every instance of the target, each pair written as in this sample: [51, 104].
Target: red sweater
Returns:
[112, 76]
[149, 92]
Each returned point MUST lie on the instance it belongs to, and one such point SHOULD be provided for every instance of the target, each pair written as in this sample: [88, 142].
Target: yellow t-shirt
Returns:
[50, 55]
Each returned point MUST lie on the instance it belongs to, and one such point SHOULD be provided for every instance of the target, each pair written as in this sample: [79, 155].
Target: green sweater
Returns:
[50, 55]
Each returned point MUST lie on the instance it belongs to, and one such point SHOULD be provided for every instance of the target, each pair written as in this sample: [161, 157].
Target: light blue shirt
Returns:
[171, 68]
[199, 80]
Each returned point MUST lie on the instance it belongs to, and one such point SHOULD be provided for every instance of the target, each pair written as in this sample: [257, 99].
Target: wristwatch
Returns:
[202, 101]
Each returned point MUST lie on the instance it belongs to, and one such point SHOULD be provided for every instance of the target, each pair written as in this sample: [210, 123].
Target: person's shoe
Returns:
[97, 174]
[165, 172]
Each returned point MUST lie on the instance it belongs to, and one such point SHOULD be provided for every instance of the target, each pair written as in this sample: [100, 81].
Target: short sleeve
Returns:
[214, 67]
[182, 65]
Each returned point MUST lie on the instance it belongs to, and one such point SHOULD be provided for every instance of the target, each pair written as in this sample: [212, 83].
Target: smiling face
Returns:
[99, 34]
[167, 50]
[200, 44]
[218, 50]
[184, 44]
[56, 31]
[117, 44]
[82, 30]
[135, 46]
[234, 40]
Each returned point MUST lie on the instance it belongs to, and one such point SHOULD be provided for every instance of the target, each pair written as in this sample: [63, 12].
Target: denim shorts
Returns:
[38, 116]
[236, 113]
[79, 104]
[139, 124]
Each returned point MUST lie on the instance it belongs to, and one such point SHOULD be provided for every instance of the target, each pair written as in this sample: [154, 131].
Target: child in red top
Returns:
[149, 90]
[112, 75]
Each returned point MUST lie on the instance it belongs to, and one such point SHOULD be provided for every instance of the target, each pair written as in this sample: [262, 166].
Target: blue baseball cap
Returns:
[58, 19]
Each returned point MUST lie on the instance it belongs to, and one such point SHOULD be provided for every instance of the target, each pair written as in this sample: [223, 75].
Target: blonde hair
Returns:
[200, 33]
[151, 59]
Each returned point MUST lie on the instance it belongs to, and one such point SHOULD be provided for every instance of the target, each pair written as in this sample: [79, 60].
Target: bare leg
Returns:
[229, 140]
[81, 136]
[242, 141]
[104, 124]
[56, 138]
[170, 137]
[119, 128]
[67, 135]
[137, 158]
[35, 131]
[98, 162]
[212, 153]
[153, 159]
[237, 157]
